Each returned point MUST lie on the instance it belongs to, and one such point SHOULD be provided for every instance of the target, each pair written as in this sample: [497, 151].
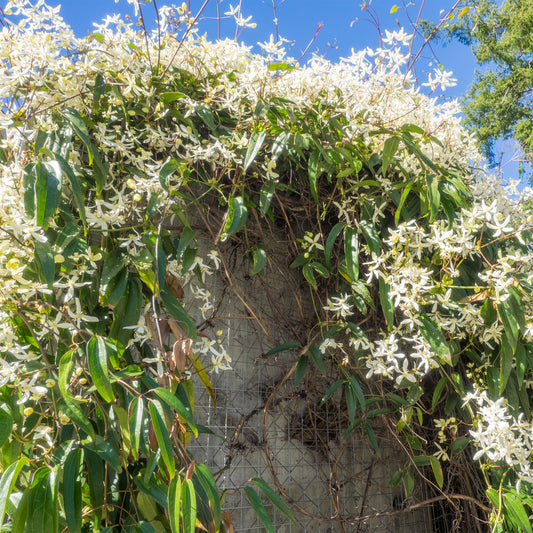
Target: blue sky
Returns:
[344, 25]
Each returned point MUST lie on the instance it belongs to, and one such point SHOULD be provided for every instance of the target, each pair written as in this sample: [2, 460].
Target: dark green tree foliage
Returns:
[498, 104]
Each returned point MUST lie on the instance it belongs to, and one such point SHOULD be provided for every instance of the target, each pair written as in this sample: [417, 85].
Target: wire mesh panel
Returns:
[264, 426]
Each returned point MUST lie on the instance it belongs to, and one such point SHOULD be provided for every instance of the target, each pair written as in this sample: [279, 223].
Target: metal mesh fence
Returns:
[263, 426]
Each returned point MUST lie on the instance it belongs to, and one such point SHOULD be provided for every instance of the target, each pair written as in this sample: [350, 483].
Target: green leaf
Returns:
[176, 404]
[6, 424]
[372, 438]
[259, 258]
[281, 66]
[178, 312]
[44, 254]
[437, 470]
[208, 483]
[72, 496]
[167, 170]
[458, 445]
[307, 271]
[171, 96]
[421, 460]
[396, 478]
[97, 357]
[290, 345]
[389, 150]
[265, 196]
[301, 368]
[437, 392]
[351, 249]
[69, 405]
[237, 215]
[404, 196]
[189, 506]
[207, 117]
[48, 187]
[316, 355]
[105, 450]
[7, 482]
[313, 172]
[372, 239]
[259, 508]
[274, 498]
[517, 511]
[75, 186]
[435, 338]
[136, 424]
[506, 361]
[78, 124]
[358, 391]
[434, 195]
[204, 378]
[174, 503]
[351, 402]
[386, 303]
[43, 502]
[512, 315]
[162, 435]
[331, 391]
[521, 364]
[257, 138]
[409, 484]
[330, 241]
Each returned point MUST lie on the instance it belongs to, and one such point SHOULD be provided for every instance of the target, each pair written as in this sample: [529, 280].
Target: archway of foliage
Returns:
[418, 264]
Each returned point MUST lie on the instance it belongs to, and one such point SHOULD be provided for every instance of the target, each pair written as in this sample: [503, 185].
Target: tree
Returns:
[499, 103]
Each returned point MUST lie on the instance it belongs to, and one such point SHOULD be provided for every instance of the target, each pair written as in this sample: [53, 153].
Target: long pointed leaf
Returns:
[162, 435]
[72, 497]
[97, 357]
[259, 508]
[7, 482]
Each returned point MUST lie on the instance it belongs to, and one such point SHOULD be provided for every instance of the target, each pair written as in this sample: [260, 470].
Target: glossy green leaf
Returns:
[207, 117]
[48, 185]
[176, 404]
[389, 151]
[77, 192]
[458, 445]
[316, 355]
[437, 392]
[188, 506]
[257, 138]
[43, 506]
[437, 470]
[330, 241]
[97, 358]
[434, 195]
[72, 495]
[136, 424]
[405, 194]
[174, 504]
[506, 361]
[237, 216]
[351, 250]
[166, 171]
[259, 508]
[409, 484]
[301, 368]
[6, 424]
[371, 236]
[396, 478]
[512, 315]
[78, 124]
[521, 364]
[435, 338]
[286, 346]
[105, 449]
[358, 391]
[331, 391]
[274, 498]
[208, 483]
[70, 405]
[259, 258]
[386, 303]
[169, 97]
[174, 307]
[162, 435]
[313, 170]
[265, 196]
[7, 482]
[517, 511]
[281, 66]
[372, 438]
